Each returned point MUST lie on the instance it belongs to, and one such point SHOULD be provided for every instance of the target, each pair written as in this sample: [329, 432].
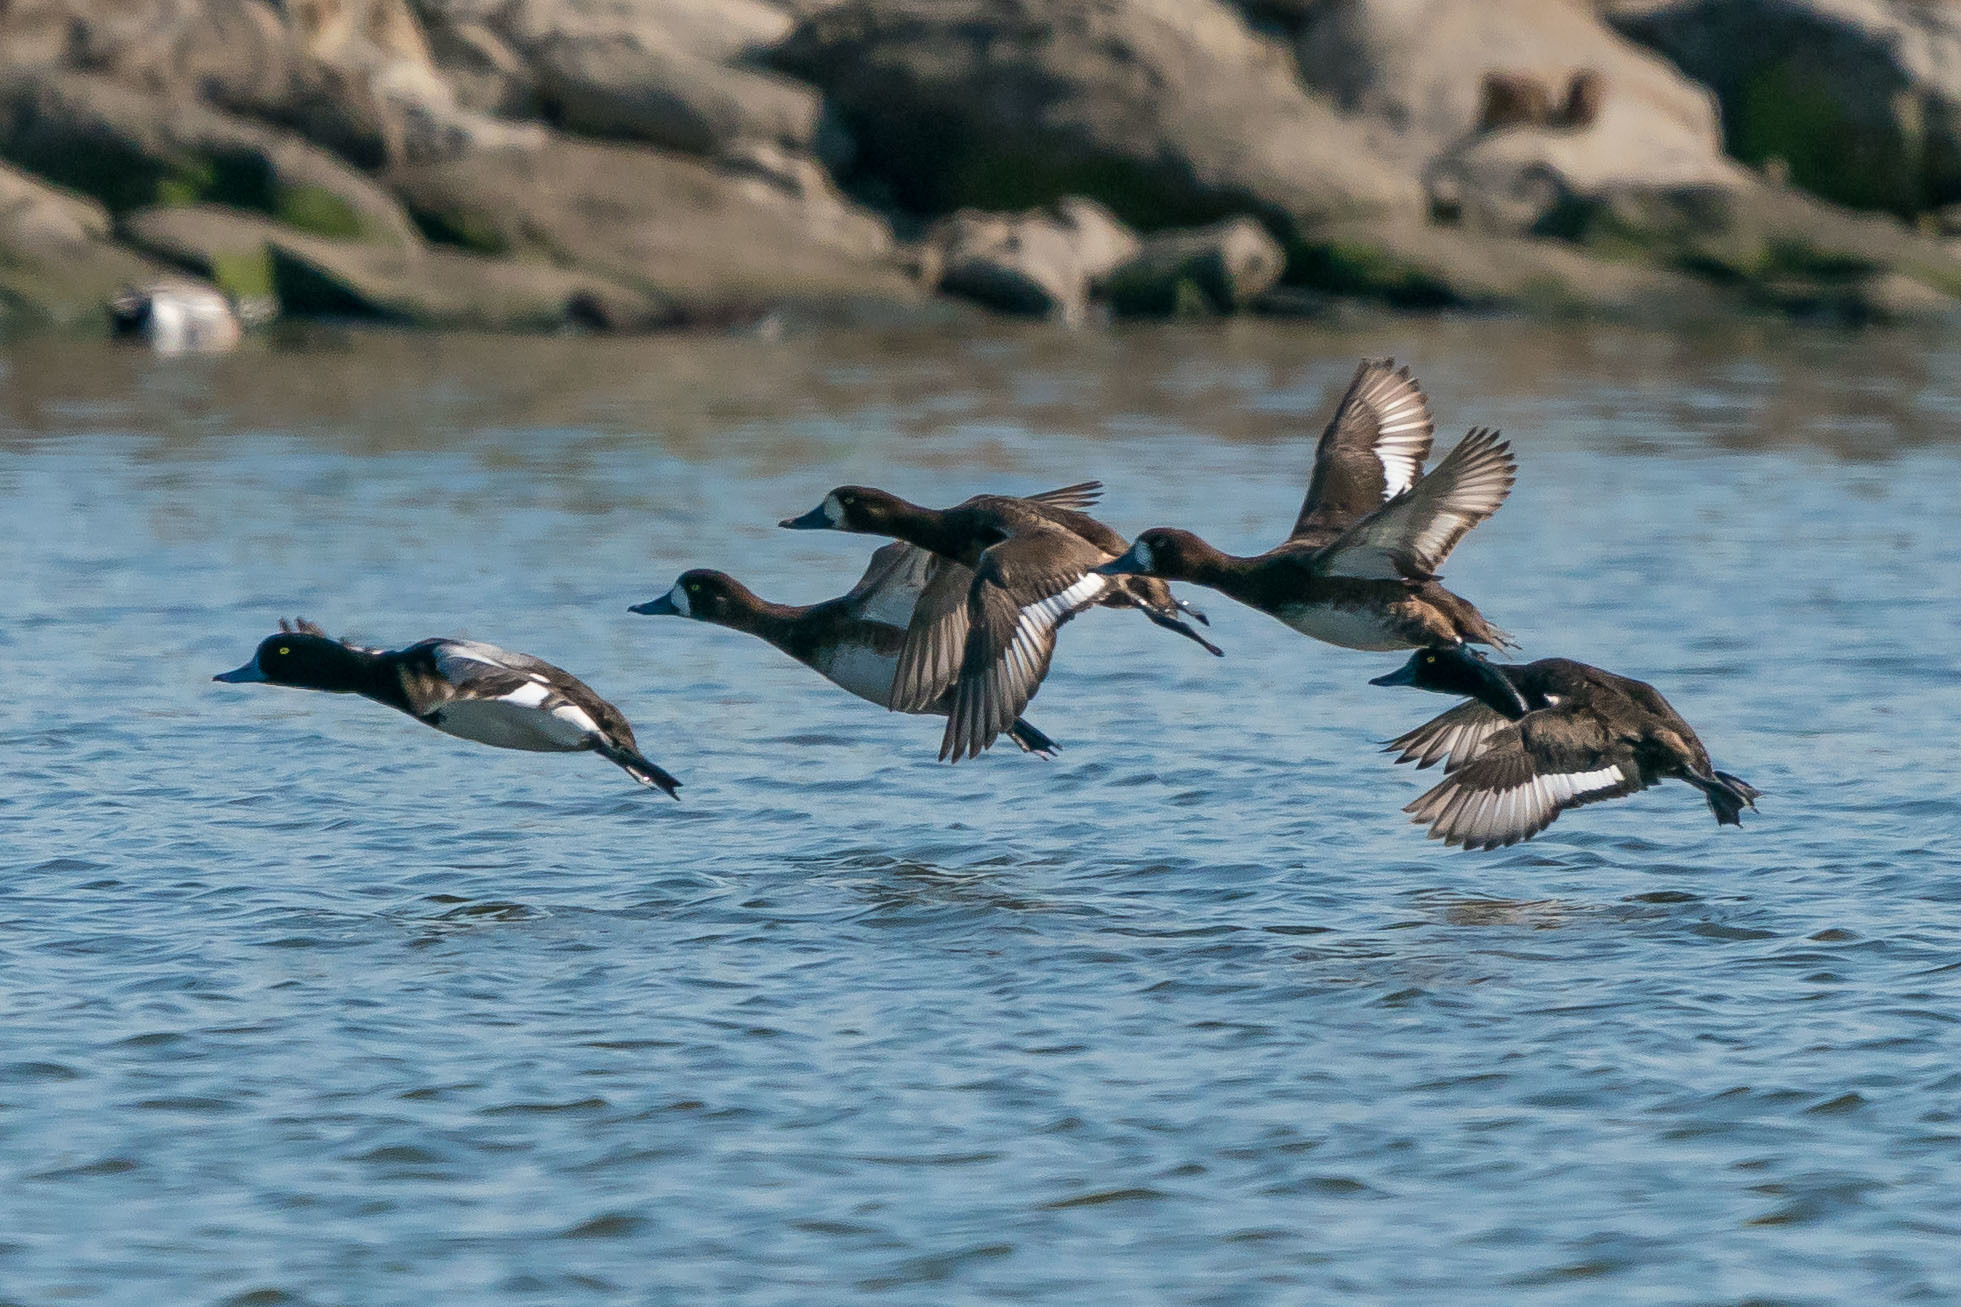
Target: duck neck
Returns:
[1201, 564]
[1499, 690]
[933, 530]
[377, 676]
[776, 623]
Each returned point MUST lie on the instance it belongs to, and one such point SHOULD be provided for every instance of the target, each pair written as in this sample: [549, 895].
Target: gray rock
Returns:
[721, 31]
[1414, 265]
[309, 275]
[707, 240]
[1040, 264]
[128, 150]
[1860, 100]
[1224, 268]
[57, 265]
[614, 87]
[1169, 111]
[354, 76]
[483, 71]
[1420, 67]
[1442, 73]
[37, 218]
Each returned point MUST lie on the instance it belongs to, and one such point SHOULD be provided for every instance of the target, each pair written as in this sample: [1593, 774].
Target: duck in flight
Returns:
[1360, 567]
[1032, 564]
[1562, 735]
[852, 641]
[461, 687]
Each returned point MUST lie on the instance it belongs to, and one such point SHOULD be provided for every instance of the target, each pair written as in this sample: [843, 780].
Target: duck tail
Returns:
[643, 769]
[1032, 740]
[1728, 796]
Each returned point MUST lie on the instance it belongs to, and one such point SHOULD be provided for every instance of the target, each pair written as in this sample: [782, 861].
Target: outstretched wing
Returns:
[1023, 591]
[1453, 738]
[893, 581]
[936, 636]
[1373, 449]
[1410, 536]
[1512, 791]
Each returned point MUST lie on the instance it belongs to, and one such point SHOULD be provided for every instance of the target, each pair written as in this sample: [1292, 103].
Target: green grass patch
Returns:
[244, 275]
[318, 211]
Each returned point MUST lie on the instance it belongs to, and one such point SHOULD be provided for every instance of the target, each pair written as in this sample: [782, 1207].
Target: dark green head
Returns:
[1459, 670]
[303, 658]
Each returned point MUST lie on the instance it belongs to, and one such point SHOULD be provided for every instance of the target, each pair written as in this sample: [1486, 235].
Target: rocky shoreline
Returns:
[628, 165]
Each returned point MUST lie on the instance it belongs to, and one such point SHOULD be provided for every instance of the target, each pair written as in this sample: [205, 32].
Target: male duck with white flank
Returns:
[1560, 736]
[1031, 562]
[852, 641]
[461, 687]
[1360, 569]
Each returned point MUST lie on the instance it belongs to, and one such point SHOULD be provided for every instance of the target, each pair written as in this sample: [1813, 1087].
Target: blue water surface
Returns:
[303, 1003]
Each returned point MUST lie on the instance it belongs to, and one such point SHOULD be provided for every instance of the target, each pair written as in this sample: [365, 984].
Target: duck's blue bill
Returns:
[661, 607]
[1124, 566]
[814, 520]
[1404, 675]
[241, 675]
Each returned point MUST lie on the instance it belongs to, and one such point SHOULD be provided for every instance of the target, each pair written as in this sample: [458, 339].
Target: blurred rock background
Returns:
[635, 164]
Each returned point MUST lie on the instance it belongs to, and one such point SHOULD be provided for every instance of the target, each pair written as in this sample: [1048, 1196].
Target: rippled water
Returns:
[300, 1002]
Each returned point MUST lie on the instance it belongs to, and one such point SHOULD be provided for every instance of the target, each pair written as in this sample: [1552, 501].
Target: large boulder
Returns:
[675, 73]
[725, 31]
[354, 76]
[1860, 100]
[710, 240]
[249, 256]
[1169, 111]
[1523, 107]
[1041, 264]
[1224, 268]
[672, 98]
[129, 149]
[1423, 266]
[1421, 66]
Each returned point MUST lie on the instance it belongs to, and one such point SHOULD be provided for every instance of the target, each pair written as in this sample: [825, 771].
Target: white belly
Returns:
[506, 725]
[863, 671]
[1351, 628]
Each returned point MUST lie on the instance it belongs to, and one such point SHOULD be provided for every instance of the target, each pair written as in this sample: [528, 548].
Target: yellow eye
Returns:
[284, 650]
[694, 587]
[847, 499]
[1429, 658]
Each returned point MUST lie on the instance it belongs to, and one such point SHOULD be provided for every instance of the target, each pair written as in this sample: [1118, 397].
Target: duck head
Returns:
[310, 661]
[851, 508]
[1162, 551]
[1459, 670]
[705, 595]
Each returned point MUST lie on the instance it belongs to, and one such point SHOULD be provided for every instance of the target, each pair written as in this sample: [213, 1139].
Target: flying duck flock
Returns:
[958, 618]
